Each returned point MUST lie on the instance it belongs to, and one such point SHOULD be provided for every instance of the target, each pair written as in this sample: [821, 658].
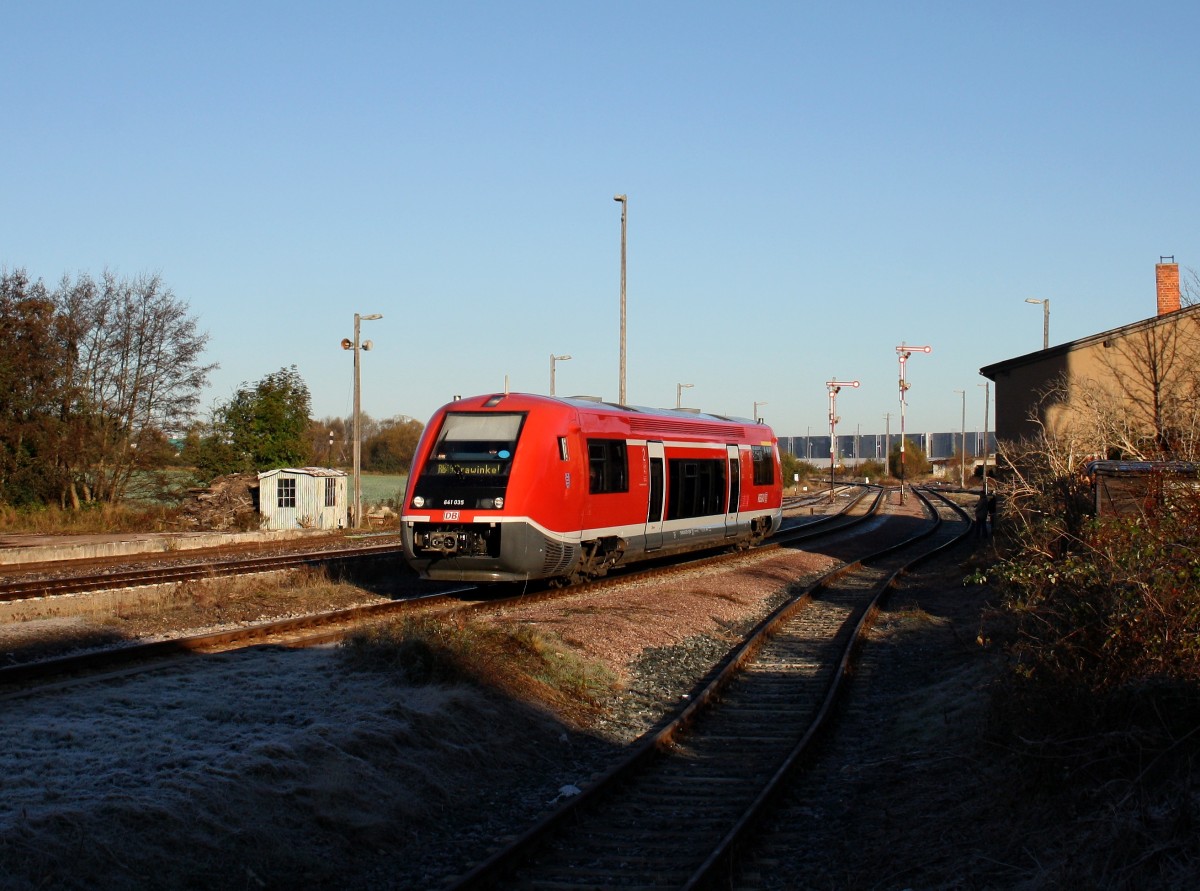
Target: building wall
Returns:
[310, 510]
[1113, 366]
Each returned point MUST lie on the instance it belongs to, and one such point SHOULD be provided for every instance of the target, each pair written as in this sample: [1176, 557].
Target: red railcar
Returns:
[512, 486]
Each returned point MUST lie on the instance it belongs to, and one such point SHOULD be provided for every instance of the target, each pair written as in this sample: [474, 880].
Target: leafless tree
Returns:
[136, 376]
[1155, 376]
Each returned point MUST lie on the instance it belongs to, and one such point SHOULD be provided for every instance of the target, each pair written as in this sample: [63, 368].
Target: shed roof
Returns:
[305, 471]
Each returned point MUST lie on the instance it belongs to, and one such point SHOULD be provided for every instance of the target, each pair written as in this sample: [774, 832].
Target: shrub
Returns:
[1103, 631]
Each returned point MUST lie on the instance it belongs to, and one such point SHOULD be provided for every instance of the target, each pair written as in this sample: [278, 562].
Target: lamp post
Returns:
[904, 352]
[962, 457]
[553, 359]
[756, 418]
[357, 346]
[1045, 319]
[679, 388]
[624, 201]
[834, 388]
[987, 394]
[887, 443]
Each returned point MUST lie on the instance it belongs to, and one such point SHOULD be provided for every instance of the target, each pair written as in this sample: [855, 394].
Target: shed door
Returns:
[286, 501]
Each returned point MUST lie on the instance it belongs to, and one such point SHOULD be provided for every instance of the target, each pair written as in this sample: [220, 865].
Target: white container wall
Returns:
[303, 498]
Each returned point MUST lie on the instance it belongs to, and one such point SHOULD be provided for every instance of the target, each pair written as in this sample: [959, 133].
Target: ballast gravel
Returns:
[268, 768]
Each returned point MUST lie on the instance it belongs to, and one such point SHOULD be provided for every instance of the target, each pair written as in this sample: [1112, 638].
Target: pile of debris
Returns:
[229, 504]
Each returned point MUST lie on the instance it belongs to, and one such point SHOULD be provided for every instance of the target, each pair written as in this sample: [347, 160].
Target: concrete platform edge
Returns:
[88, 547]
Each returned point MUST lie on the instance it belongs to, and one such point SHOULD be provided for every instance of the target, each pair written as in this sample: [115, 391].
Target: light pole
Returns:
[357, 347]
[962, 458]
[624, 200]
[1045, 319]
[887, 443]
[987, 394]
[756, 418]
[553, 359]
[679, 388]
[834, 388]
[904, 352]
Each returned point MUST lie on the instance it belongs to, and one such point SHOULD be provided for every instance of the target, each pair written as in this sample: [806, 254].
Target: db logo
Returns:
[450, 515]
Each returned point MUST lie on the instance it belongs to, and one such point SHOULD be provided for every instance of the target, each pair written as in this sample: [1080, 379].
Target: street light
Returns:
[348, 344]
[679, 388]
[904, 352]
[834, 388]
[624, 200]
[756, 418]
[962, 457]
[1045, 319]
[553, 359]
[887, 443]
[987, 395]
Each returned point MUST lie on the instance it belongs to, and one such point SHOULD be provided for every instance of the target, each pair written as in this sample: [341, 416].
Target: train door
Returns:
[658, 490]
[735, 490]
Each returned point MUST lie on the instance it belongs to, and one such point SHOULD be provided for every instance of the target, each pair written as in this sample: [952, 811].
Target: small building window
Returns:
[330, 492]
[286, 491]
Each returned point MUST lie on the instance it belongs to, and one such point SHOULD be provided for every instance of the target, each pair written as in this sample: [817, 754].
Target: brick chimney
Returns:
[1167, 276]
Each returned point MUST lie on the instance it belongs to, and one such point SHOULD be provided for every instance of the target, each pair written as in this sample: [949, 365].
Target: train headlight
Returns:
[490, 503]
[418, 502]
[499, 503]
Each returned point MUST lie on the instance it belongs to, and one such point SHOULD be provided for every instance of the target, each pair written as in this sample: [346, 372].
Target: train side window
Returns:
[696, 488]
[563, 453]
[608, 467]
[764, 466]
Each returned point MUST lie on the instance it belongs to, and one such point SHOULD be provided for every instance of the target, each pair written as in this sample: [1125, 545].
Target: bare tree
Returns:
[1154, 375]
[136, 376]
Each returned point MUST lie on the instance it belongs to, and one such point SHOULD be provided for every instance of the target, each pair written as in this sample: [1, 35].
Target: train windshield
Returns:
[478, 446]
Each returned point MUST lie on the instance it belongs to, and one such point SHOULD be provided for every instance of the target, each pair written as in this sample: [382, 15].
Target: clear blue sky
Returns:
[810, 184]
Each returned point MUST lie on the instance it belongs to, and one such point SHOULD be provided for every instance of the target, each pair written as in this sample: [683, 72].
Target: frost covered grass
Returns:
[269, 767]
[521, 661]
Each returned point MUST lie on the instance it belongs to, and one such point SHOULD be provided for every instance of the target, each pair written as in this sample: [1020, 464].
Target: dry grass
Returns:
[171, 609]
[93, 519]
[521, 662]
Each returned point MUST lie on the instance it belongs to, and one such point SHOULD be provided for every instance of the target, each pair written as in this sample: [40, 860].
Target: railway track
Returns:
[60, 580]
[56, 580]
[672, 814]
[324, 627]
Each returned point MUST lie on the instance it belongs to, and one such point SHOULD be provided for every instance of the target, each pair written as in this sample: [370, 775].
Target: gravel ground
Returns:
[272, 768]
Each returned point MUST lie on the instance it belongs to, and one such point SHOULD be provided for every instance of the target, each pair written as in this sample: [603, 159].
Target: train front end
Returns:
[471, 493]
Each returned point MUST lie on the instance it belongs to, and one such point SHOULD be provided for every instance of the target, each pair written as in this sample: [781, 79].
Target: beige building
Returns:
[1130, 392]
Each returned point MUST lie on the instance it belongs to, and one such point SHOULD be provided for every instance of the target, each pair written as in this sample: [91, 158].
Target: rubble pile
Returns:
[229, 504]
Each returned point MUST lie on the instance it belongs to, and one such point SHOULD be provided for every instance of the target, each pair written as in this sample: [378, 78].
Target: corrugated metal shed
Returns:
[1139, 487]
[303, 498]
